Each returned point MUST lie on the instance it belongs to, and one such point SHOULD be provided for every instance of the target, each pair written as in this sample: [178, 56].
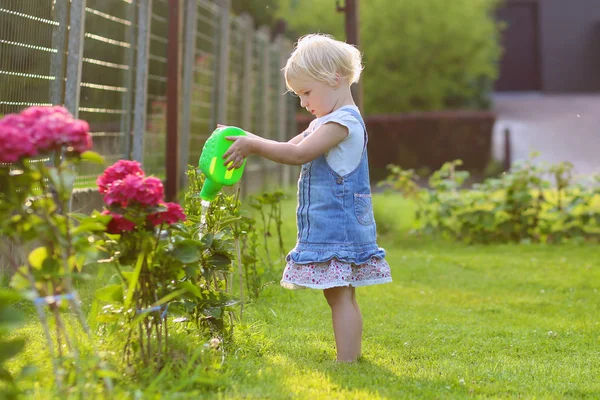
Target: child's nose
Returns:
[303, 102]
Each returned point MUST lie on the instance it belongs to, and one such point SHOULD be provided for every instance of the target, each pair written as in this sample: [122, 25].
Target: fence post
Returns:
[127, 95]
[247, 78]
[57, 66]
[141, 79]
[75, 56]
[507, 150]
[247, 83]
[223, 65]
[172, 161]
[282, 106]
[266, 82]
[191, 18]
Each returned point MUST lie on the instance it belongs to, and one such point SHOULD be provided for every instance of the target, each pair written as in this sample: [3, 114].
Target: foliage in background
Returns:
[418, 55]
[530, 203]
[263, 11]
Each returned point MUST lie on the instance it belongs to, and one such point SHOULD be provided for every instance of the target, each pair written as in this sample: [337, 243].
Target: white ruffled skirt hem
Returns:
[295, 286]
[335, 273]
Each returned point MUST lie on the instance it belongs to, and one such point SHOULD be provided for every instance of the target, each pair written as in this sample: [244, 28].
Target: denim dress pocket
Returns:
[363, 208]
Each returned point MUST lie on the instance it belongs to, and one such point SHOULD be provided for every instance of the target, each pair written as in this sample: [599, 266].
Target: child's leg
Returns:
[347, 322]
[355, 303]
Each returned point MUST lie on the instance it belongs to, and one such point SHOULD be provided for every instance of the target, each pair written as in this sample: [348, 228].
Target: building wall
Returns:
[570, 45]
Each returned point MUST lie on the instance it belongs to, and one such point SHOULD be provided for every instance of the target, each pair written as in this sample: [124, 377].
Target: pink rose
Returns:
[173, 214]
[117, 172]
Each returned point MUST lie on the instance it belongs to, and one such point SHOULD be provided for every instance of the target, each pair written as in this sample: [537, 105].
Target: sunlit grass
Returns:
[501, 321]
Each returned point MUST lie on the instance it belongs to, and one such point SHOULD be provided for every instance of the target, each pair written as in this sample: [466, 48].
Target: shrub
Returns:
[530, 203]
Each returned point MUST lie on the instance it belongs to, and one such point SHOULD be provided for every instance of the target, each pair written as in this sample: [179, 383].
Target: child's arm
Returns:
[295, 140]
[297, 151]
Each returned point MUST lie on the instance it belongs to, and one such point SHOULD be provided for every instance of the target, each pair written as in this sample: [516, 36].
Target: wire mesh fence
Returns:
[106, 60]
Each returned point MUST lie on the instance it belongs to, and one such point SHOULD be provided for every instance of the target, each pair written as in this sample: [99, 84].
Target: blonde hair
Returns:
[322, 58]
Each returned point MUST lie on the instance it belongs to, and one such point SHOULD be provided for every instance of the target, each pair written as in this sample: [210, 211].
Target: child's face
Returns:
[317, 97]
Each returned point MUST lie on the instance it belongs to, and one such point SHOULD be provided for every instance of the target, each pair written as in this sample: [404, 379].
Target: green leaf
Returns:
[190, 288]
[103, 373]
[186, 251]
[10, 348]
[19, 281]
[216, 312]
[110, 294]
[5, 376]
[107, 318]
[8, 297]
[134, 279]
[37, 256]
[92, 157]
[169, 297]
[228, 221]
[219, 260]
[88, 227]
[9, 318]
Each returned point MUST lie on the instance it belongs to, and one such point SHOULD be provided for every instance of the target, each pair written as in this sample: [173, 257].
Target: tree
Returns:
[263, 11]
[418, 55]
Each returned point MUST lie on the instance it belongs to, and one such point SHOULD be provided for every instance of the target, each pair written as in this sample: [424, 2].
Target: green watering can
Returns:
[211, 162]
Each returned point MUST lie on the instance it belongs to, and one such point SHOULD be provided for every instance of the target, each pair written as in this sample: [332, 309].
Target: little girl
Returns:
[336, 249]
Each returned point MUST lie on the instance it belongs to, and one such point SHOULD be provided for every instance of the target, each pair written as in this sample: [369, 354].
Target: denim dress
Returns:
[337, 239]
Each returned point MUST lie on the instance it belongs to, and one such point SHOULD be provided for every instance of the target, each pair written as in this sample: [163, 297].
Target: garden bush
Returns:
[530, 203]
[172, 268]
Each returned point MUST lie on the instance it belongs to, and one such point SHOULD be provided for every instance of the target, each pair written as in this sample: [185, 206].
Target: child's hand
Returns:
[239, 150]
[252, 135]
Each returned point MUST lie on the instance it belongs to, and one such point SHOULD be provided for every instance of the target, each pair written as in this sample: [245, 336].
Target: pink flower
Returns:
[151, 193]
[78, 136]
[118, 223]
[117, 172]
[44, 128]
[173, 214]
[48, 131]
[15, 142]
[135, 189]
[35, 113]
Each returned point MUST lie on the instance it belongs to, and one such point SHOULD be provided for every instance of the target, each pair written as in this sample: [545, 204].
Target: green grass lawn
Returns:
[505, 321]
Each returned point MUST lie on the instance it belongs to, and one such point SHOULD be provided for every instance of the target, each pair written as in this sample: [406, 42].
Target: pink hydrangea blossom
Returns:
[173, 214]
[49, 131]
[78, 136]
[118, 223]
[15, 141]
[35, 113]
[135, 189]
[54, 127]
[41, 129]
[151, 193]
[117, 172]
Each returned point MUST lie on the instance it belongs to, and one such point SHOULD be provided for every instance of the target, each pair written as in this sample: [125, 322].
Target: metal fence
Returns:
[107, 62]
